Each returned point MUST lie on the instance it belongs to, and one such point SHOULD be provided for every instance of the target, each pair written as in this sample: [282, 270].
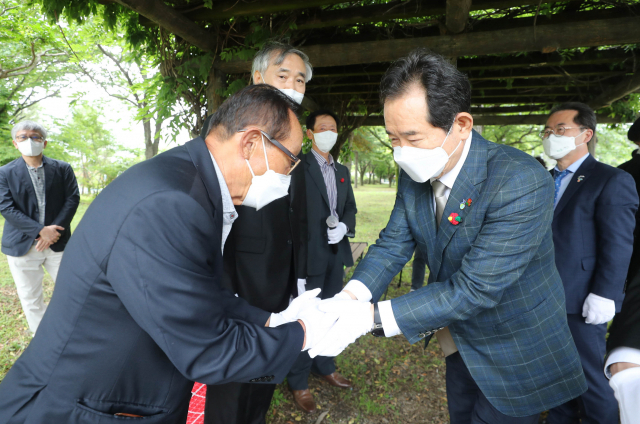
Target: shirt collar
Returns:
[322, 161]
[31, 167]
[227, 202]
[450, 177]
[575, 165]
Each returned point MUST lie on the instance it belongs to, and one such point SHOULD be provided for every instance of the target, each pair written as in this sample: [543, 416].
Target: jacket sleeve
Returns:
[12, 214]
[72, 199]
[161, 267]
[350, 209]
[615, 221]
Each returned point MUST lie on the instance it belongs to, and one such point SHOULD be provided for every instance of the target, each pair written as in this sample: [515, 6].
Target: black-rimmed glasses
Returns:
[295, 160]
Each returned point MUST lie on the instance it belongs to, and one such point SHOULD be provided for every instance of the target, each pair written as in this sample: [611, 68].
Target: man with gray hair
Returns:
[38, 199]
[266, 252]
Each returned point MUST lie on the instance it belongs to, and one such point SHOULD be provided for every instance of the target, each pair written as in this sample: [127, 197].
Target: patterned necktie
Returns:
[441, 200]
[558, 176]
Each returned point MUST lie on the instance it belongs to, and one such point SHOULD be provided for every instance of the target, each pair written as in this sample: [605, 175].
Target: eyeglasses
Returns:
[558, 131]
[34, 138]
[295, 160]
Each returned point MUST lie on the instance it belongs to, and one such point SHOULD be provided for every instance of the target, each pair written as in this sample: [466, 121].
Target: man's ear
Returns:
[15, 144]
[249, 140]
[257, 78]
[464, 121]
[588, 135]
[309, 134]
[45, 144]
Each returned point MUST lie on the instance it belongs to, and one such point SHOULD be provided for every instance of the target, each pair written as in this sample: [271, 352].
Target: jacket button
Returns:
[288, 241]
[291, 210]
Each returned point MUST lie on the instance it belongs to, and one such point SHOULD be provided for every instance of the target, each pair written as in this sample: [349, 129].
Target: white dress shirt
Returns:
[621, 354]
[229, 213]
[362, 293]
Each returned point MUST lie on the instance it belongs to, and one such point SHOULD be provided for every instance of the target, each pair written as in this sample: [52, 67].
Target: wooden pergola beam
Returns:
[457, 15]
[173, 21]
[399, 9]
[537, 119]
[627, 86]
[233, 8]
[545, 38]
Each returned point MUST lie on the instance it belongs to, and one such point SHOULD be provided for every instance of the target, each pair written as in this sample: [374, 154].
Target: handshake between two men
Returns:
[330, 325]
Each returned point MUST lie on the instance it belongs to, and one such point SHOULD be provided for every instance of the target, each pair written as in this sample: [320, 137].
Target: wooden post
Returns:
[456, 15]
[216, 83]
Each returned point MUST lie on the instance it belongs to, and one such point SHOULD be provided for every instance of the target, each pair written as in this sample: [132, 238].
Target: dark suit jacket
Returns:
[19, 204]
[318, 211]
[138, 312]
[593, 233]
[266, 251]
[625, 329]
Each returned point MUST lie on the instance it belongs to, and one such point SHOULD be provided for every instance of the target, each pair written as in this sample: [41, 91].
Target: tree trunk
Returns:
[216, 84]
[356, 168]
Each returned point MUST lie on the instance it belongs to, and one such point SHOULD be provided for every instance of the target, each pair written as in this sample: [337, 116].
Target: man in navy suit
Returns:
[38, 199]
[593, 223]
[480, 214]
[138, 312]
[329, 193]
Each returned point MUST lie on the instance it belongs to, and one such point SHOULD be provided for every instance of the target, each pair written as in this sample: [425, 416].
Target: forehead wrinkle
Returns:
[283, 70]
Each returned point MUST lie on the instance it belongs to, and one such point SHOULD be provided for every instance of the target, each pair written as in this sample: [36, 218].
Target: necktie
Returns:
[444, 336]
[441, 200]
[558, 176]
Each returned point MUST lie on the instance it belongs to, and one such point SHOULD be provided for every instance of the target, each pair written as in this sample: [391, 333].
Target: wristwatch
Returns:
[377, 329]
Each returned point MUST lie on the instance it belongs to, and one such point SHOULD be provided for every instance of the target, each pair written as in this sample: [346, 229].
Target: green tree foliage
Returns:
[89, 147]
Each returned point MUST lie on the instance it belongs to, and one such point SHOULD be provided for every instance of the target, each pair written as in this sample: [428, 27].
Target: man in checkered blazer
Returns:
[480, 214]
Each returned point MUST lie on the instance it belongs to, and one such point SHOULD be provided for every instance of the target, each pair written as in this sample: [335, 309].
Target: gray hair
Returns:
[28, 125]
[279, 51]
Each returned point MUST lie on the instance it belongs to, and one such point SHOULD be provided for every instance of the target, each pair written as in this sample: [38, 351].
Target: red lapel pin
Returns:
[341, 180]
[454, 218]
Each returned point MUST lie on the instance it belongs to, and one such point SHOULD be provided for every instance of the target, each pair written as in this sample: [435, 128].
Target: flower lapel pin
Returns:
[465, 203]
[341, 180]
[454, 218]
[580, 178]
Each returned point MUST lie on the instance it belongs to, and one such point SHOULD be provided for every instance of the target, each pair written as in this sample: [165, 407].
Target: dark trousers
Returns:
[598, 404]
[331, 283]
[238, 403]
[417, 275]
[467, 404]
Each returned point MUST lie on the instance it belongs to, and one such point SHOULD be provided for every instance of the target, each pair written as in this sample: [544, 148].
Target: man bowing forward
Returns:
[481, 214]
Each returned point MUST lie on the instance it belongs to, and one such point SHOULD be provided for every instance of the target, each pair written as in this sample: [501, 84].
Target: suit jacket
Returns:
[138, 312]
[318, 210]
[625, 329]
[593, 233]
[266, 251]
[492, 279]
[19, 204]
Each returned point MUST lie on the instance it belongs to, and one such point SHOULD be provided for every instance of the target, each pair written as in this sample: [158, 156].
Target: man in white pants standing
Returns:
[38, 199]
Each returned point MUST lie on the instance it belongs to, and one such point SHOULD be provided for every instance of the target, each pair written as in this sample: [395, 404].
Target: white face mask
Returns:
[559, 146]
[325, 140]
[30, 147]
[267, 187]
[296, 96]
[423, 164]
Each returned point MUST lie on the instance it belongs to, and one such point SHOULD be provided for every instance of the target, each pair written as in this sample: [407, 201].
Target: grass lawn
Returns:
[393, 380]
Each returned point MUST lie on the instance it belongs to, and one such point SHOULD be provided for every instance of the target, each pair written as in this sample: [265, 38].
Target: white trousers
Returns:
[626, 387]
[28, 273]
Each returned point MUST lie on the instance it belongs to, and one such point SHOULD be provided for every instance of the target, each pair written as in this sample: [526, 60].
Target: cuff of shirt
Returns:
[389, 324]
[620, 354]
[360, 291]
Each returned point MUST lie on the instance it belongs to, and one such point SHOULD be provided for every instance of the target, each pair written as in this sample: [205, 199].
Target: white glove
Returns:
[598, 310]
[291, 313]
[355, 320]
[336, 234]
[317, 323]
[302, 283]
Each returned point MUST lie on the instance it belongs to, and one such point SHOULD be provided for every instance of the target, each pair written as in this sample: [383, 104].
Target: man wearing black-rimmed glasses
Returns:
[593, 222]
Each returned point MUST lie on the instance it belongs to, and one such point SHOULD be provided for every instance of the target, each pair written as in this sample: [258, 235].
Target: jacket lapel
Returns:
[341, 188]
[23, 175]
[316, 175]
[583, 171]
[472, 174]
[201, 158]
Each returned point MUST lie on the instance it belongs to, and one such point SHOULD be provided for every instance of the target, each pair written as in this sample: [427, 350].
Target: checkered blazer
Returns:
[492, 279]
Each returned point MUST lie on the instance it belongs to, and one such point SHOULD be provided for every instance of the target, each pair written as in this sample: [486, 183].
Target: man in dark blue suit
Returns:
[329, 194]
[480, 215]
[38, 199]
[138, 312]
[593, 223]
